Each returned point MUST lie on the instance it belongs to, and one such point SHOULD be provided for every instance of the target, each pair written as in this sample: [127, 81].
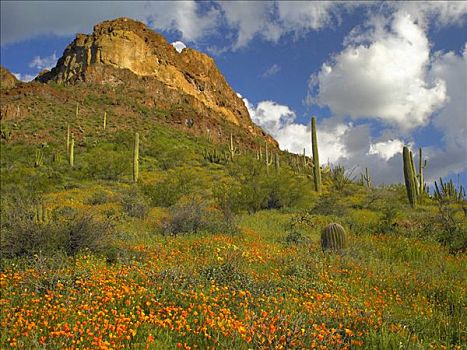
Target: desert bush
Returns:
[135, 203]
[339, 177]
[296, 237]
[177, 184]
[23, 235]
[329, 204]
[97, 198]
[192, 215]
[227, 274]
[257, 189]
[106, 162]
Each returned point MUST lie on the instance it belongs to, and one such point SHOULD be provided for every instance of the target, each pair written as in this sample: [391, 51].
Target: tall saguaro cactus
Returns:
[409, 176]
[68, 138]
[314, 144]
[71, 155]
[421, 180]
[414, 172]
[105, 120]
[232, 149]
[268, 159]
[136, 158]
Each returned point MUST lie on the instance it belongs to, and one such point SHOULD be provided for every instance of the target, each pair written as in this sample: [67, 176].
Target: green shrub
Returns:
[259, 190]
[135, 204]
[106, 164]
[22, 235]
[192, 215]
[178, 183]
[100, 197]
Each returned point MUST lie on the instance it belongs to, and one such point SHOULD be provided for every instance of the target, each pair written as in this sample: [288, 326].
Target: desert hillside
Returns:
[141, 208]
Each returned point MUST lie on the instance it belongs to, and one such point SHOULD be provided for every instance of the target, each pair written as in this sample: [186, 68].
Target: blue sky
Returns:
[377, 75]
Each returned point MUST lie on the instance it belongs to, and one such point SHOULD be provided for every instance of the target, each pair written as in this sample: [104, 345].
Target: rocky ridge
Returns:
[127, 52]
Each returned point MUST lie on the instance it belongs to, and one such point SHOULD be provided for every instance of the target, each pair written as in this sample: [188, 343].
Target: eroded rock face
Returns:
[7, 80]
[124, 51]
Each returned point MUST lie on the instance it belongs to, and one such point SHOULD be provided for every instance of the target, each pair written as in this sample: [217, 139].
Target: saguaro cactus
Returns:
[71, 155]
[105, 120]
[233, 150]
[268, 159]
[68, 138]
[276, 162]
[333, 237]
[421, 180]
[136, 158]
[77, 110]
[314, 144]
[366, 179]
[409, 177]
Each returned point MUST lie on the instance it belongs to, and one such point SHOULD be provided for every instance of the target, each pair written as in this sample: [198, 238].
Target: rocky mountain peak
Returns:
[124, 51]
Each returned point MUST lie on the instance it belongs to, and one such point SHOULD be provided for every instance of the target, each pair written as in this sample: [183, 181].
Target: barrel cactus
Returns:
[333, 237]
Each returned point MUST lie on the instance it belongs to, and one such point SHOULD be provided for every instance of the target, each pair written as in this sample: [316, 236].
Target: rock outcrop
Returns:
[7, 80]
[126, 52]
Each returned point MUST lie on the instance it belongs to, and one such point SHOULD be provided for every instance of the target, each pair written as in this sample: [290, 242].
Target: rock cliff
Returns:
[126, 52]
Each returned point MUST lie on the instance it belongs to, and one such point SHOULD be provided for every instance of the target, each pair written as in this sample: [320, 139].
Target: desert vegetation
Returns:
[121, 234]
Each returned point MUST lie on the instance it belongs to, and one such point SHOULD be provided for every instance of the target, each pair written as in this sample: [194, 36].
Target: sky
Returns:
[377, 75]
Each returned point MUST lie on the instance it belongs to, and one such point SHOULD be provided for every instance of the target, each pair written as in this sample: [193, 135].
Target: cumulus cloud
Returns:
[308, 15]
[272, 70]
[179, 46]
[24, 77]
[280, 121]
[386, 79]
[386, 149]
[41, 63]
[441, 13]
[452, 119]
[243, 20]
[21, 20]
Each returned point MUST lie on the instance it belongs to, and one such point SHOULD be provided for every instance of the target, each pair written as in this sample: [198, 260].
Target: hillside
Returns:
[142, 209]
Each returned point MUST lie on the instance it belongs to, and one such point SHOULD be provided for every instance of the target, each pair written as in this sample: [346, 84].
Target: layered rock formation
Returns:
[126, 52]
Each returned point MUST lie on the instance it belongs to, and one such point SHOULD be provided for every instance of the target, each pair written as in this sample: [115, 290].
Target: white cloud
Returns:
[24, 77]
[272, 70]
[279, 121]
[184, 17]
[297, 16]
[442, 13]
[386, 79]
[179, 46]
[21, 20]
[243, 20]
[452, 119]
[41, 63]
[386, 149]
[248, 19]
